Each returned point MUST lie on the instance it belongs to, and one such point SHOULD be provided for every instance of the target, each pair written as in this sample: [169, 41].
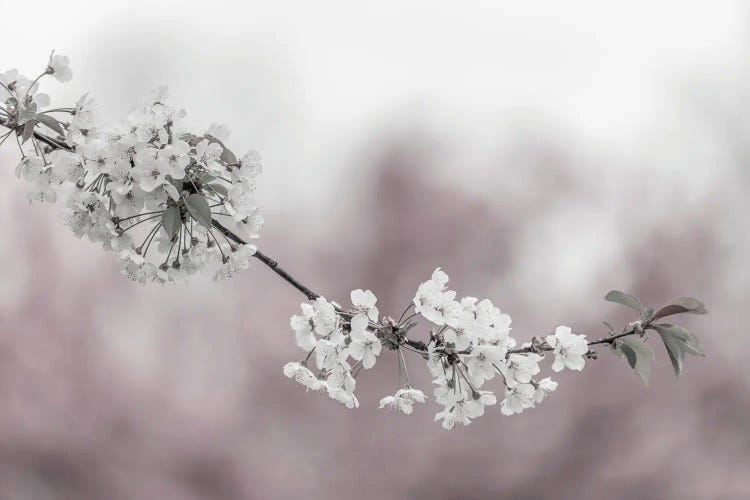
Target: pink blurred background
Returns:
[541, 154]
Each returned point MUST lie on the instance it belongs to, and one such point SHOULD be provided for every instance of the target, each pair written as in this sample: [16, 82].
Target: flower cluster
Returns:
[473, 345]
[334, 336]
[468, 346]
[162, 199]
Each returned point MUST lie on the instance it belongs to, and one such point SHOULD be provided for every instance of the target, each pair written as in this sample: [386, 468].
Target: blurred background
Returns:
[542, 153]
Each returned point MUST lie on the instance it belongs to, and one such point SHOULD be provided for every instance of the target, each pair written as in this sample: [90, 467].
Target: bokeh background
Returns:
[542, 153]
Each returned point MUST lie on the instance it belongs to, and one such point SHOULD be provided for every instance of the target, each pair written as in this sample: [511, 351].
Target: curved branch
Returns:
[268, 261]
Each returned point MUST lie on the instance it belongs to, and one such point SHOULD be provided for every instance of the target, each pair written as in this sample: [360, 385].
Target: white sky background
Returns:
[313, 85]
[304, 81]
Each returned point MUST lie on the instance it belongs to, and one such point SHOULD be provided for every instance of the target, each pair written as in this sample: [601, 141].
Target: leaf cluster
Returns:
[677, 340]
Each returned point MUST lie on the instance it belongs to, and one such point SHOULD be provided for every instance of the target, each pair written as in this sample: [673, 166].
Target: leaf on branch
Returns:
[647, 315]
[28, 132]
[638, 354]
[678, 343]
[177, 183]
[50, 122]
[205, 177]
[220, 189]
[199, 209]
[681, 305]
[171, 221]
[191, 139]
[27, 113]
[227, 157]
[624, 299]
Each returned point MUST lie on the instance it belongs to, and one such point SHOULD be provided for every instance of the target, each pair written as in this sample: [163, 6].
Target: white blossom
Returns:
[569, 349]
[518, 398]
[483, 361]
[460, 413]
[366, 349]
[432, 298]
[329, 354]
[58, 67]
[340, 385]
[364, 300]
[249, 168]
[325, 318]
[403, 400]
[219, 131]
[303, 328]
[301, 374]
[520, 368]
[544, 387]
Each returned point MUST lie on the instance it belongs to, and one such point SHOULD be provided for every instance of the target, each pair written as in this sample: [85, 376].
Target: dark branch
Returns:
[268, 262]
[40, 137]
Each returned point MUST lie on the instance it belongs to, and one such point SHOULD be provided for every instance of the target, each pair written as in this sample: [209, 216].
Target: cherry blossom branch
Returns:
[271, 263]
[37, 135]
[265, 259]
[538, 345]
[197, 198]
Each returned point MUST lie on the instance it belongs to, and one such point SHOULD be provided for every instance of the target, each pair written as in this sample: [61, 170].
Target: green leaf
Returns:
[630, 355]
[177, 183]
[50, 122]
[227, 157]
[220, 189]
[624, 299]
[638, 355]
[681, 305]
[678, 343]
[647, 315]
[27, 113]
[199, 209]
[191, 139]
[171, 221]
[205, 177]
[28, 131]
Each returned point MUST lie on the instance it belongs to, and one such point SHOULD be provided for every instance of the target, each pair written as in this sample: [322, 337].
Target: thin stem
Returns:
[411, 304]
[406, 372]
[5, 137]
[30, 89]
[272, 264]
[57, 110]
[408, 318]
[398, 382]
[41, 138]
[606, 340]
